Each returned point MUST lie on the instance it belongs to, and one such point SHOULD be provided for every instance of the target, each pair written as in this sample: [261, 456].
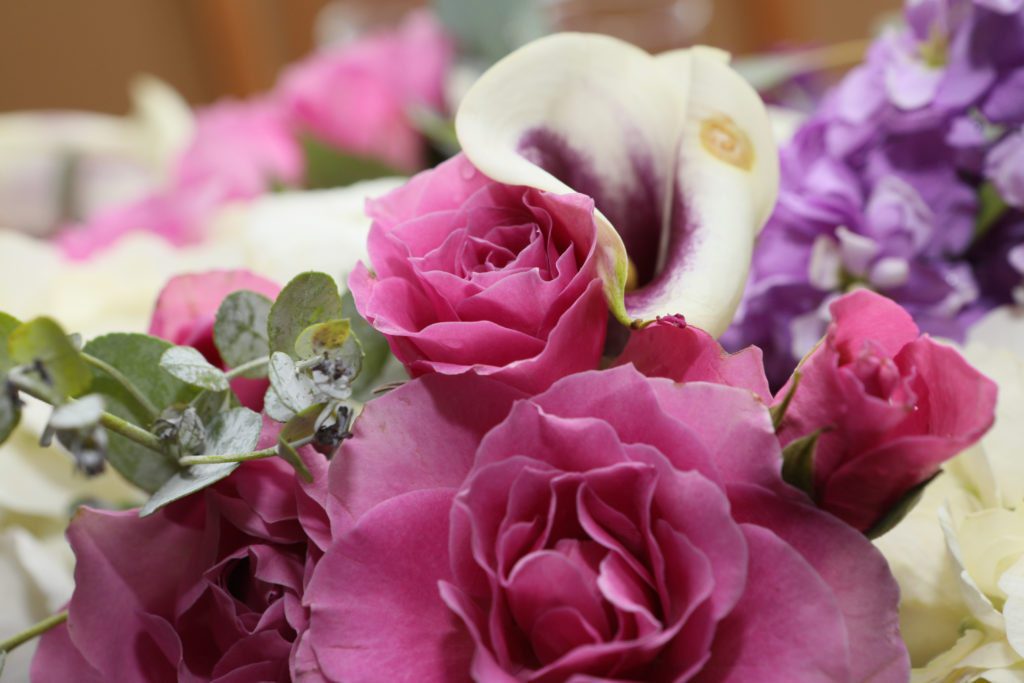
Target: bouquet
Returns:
[509, 446]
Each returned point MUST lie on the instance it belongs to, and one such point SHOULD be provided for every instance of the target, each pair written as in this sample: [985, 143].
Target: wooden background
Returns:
[80, 54]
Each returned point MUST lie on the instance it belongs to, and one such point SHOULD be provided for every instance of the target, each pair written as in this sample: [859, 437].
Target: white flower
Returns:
[676, 150]
[959, 555]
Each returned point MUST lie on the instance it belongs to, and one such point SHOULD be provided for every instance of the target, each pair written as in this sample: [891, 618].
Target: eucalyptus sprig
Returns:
[165, 417]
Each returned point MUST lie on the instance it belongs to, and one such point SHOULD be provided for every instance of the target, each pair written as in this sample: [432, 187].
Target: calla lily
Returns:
[676, 150]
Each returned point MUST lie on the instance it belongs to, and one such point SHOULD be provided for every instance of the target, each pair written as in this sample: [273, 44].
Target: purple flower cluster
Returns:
[909, 180]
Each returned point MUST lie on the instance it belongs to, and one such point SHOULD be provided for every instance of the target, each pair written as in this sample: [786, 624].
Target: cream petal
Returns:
[677, 152]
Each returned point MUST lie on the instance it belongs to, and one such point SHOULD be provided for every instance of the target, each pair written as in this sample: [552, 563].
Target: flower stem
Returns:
[130, 431]
[246, 367]
[34, 631]
[151, 410]
[216, 459]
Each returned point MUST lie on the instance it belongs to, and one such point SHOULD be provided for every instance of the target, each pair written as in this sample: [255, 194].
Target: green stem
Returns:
[246, 367]
[108, 420]
[33, 631]
[216, 459]
[129, 431]
[151, 410]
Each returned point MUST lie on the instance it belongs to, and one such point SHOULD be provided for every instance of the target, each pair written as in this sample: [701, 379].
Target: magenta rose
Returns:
[187, 309]
[614, 527]
[473, 275]
[891, 407]
[359, 96]
[209, 588]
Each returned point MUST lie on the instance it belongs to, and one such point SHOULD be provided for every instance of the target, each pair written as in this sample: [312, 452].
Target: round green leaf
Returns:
[240, 330]
[42, 340]
[308, 299]
[322, 338]
[189, 365]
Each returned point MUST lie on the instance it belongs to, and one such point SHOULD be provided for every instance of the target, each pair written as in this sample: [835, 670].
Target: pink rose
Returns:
[209, 588]
[238, 150]
[671, 348]
[891, 405]
[614, 527]
[359, 96]
[470, 274]
[187, 308]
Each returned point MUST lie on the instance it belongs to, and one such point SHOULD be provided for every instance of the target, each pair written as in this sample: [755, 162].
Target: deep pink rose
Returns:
[209, 588]
[892, 406]
[469, 274]
[683, 353]
[238, 150]
[358, 96]
[614, 527]
[187, 308]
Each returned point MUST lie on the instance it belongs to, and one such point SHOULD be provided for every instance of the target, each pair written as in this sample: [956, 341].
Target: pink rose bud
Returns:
[473, 275]
[187, 308]
[889, 407]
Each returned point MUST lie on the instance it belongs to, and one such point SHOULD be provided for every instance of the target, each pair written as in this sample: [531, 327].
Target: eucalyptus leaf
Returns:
[189, 365]
[240, 330]
[327, 166]
[185, 483]
[7, 325]
[10, 410]
[323, 338]
[798, 462]
[190, 432]
[290, 391]
[137, 357]
[310, 298]
[80, 414]
[43, 341]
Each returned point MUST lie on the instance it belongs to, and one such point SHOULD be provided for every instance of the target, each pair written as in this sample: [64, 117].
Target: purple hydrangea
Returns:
[908, 180]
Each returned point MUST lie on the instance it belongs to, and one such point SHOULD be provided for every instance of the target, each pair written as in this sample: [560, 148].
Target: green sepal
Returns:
[798, 462]
[901, 509]
[778, 410]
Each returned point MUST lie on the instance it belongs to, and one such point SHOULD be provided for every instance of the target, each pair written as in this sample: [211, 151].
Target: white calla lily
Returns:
[676, 150]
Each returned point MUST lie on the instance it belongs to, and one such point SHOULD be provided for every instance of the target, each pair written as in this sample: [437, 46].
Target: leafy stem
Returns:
[216, 459]
[34, 631]
[151, 410]
[246, 367]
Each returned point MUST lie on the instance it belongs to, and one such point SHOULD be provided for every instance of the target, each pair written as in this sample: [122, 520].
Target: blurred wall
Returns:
[81, 53]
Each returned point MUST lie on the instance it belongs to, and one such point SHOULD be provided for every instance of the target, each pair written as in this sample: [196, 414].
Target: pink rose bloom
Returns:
[358, 96]
[187, 309]
[238, 151]
[473, 275]
[209, 588]
[671, 348]
[614, 527]
[891, 405]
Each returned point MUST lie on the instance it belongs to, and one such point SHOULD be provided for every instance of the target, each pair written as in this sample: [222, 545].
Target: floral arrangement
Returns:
[509, 446]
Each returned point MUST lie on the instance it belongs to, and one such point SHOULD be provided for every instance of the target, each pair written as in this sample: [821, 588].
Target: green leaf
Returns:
[236, 431]
[376, 351]
[7, 325]
[240, 330]
[301, 427]
[10, 410]
[327, 166]
[991, 207]
[778, 411]
[42, 340]
[189, 365]
[322, 338]
[798, 462]
[290, 392]
[490, 29]
[308, 299]
[80, 414]
[137, 356]
[901, 509]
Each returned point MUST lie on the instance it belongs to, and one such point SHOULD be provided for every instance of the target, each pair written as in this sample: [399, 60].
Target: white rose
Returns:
[959, 555]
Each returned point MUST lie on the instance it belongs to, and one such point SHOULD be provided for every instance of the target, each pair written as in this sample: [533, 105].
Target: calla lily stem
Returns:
[34, 631]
